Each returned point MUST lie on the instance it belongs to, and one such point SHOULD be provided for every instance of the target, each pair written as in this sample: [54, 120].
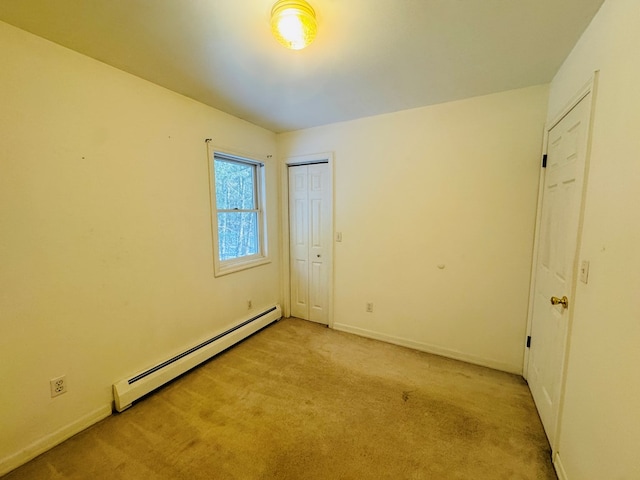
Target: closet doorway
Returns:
[310, 239]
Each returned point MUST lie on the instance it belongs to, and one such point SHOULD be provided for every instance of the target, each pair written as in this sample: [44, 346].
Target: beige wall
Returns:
[105, 245]
[600, 423]
[454, 185]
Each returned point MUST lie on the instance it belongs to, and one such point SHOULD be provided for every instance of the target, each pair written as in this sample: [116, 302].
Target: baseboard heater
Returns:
[126, 391]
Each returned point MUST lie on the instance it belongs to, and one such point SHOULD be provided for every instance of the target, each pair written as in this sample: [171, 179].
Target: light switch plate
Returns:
[584, 271]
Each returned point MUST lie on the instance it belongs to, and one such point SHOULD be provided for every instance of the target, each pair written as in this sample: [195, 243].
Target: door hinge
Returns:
[529, 341]
[544, 161]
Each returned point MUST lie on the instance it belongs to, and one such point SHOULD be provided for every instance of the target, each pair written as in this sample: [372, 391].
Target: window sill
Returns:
[224, 268]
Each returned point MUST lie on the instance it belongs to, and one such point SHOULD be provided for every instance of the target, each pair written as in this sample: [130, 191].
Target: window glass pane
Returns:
[235, 185]
[237, 234]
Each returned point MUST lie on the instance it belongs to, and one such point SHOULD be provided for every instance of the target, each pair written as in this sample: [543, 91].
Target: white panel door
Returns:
[557, 260]
[299, 240]
[310, 234]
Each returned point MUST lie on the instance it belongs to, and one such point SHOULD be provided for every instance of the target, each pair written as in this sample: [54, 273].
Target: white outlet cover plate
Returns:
[58, 386]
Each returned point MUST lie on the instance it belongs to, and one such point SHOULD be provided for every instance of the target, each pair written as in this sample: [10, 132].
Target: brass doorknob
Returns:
[564, 301]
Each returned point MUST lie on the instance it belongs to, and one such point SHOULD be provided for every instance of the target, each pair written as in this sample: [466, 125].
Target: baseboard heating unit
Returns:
[126, 391]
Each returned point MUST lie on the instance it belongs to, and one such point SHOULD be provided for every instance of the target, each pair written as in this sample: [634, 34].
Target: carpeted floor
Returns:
[300, 401]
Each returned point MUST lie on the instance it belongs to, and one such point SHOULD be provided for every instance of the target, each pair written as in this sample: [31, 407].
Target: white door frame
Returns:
[284, 201]
[589, 87]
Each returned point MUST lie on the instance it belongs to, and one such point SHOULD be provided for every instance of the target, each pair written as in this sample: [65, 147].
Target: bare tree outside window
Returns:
[238, 211]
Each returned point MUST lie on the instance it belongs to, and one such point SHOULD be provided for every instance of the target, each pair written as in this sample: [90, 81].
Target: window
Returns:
[238, 223]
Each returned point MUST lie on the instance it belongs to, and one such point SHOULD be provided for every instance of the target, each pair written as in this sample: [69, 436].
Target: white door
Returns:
[557, 259]
[310, 237]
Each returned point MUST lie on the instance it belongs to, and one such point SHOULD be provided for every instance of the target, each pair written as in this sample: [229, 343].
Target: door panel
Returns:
[299, 232]
[300, 289]
[316, 223]
[320, 227]
[311, 231]
[557, 259]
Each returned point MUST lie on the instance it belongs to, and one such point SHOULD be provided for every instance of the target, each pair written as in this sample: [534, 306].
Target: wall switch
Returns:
[338, 236]
[369, 307]
[584, 271]
[58, 386]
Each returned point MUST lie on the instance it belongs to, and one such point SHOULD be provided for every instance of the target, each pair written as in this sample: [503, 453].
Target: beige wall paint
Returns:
[600, 422]
[105, 247]
[454, 185]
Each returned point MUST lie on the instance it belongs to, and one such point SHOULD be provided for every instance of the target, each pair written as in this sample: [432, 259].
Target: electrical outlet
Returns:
[369, 307]
[58, 386]
[249, 305]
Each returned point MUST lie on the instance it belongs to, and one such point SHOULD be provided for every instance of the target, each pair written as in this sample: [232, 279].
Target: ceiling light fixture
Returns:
[293, 23]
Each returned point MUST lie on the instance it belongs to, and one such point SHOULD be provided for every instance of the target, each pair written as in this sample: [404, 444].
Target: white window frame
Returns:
[224, 267]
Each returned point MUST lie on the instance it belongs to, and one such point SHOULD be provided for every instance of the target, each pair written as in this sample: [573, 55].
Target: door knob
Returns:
[318, 255]
[564, 301]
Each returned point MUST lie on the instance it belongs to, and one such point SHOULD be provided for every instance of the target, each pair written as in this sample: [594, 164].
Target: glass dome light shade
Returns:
[293, 23]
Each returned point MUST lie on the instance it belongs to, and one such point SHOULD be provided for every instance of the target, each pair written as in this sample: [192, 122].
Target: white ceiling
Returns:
[370, 56]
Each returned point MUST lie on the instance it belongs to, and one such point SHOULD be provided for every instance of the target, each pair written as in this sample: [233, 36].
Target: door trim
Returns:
[325, 157]
[589, 88]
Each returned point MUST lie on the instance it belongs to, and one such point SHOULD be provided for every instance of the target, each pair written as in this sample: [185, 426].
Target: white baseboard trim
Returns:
[46, 443]
[424, 347]
[560, 471]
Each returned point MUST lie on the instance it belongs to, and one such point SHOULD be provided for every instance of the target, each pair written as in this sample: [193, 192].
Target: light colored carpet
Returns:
[300, 401]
